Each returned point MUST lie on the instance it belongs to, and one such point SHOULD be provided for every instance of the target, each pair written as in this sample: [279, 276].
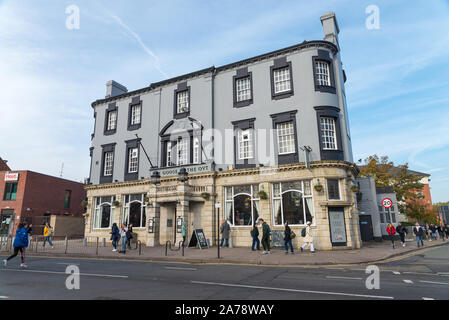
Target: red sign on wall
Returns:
[11, 176]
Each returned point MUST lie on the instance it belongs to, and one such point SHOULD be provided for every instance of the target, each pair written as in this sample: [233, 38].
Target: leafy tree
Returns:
[405, 184]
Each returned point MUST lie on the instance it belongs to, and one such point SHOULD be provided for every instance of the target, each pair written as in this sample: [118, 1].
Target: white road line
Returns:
[335, 268]
[421, 273]
[81, 274]
[349, 278]
[396, 272]
[443, 283]
[424, 298]
[4, 297]
[291, 290]
[66, 263]
[177, 268]
[443, 273]
[408, 281]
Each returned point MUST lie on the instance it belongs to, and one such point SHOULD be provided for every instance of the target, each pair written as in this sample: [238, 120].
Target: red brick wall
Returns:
[4, 166]
[15, 205]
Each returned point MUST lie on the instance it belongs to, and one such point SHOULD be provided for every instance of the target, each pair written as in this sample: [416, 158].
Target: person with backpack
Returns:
[288, 236]
[47, 235]
[402, 232]
[20, 243]
[115, 235]
[419, 233]
[391, 232]
[255, 235]
[123, 231]
[129, 236]
[308, 238]
[265, 236]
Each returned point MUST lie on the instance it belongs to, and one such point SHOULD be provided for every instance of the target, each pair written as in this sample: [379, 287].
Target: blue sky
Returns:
[397, 86]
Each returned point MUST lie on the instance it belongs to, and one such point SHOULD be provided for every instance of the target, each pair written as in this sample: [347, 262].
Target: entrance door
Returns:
[366, 228]
[337, 226]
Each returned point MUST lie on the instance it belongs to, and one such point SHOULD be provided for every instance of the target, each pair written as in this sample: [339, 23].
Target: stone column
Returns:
[182, 210]
[154, 212]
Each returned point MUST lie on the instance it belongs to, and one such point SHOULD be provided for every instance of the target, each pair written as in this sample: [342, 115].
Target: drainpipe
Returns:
[214, 72]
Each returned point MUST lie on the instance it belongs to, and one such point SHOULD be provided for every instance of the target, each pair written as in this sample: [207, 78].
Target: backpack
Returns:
[292, 235]
[268, 229]
[303, 232]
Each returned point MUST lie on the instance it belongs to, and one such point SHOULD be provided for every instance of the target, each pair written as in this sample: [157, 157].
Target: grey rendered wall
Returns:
[368, 204]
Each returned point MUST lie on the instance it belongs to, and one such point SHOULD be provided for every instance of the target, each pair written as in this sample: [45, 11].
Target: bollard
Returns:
[85, 242]
[97, 246]
[104, 243]
[140, 247]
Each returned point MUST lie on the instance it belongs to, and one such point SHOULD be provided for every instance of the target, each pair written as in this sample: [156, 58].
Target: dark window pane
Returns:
[293, 207]
[242, 210]
[105, 216]
[68, 195]
[134, 214]
[334, 192]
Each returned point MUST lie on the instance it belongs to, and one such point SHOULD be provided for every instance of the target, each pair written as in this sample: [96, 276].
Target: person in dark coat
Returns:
[419, 233]
[265, 236]
[115, 235]
[225, 229]
[255, 236]
[402, 232]
[433, 230]
[288, 238]
[129, 235]
[20, 243]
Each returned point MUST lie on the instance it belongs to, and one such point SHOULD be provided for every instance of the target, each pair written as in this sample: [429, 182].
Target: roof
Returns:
[152, 86]
[4, 166]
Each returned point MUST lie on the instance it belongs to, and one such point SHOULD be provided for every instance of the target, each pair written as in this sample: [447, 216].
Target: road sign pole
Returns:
[218, 232]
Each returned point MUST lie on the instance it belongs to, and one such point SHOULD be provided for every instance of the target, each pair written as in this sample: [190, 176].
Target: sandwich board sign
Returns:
[198, 238]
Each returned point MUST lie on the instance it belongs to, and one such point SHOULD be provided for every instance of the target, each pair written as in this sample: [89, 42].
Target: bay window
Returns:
[242, 205]
[103, 212]
[134, 210]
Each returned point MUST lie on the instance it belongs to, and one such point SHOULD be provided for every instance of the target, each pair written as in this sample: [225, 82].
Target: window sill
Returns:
[282, 95]
[181, 115]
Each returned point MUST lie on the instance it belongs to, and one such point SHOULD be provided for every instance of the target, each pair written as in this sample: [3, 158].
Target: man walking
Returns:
[184, 232]
[433, 230]
[288, 238]
[255, 235]
[419, 233]
[225, 230]
[308, 238]
[265, 236]
[47, 235]
[402, 232]
[391, 232]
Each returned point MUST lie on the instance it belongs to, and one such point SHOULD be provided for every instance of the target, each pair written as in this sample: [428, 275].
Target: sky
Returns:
[397, 87]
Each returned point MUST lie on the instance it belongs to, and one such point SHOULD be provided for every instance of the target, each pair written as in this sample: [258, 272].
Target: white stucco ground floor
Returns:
[320, 194]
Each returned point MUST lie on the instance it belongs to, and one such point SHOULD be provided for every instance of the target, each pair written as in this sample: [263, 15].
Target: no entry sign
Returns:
[387, 203]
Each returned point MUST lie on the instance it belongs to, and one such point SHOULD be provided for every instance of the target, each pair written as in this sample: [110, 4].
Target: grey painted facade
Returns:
[213, 106]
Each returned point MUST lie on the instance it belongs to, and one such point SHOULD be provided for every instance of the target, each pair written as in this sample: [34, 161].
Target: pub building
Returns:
[263, 137]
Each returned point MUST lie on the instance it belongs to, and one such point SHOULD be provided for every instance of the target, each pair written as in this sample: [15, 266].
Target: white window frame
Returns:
[322, 73]
[97, 210]
[169, 157]
[245, 146]
[328, 136]
[112, 121]
[108, 163]
[133, 161]
[243, 89]
[287, 144]
[136, 112]
[127, 207]
[282, 80]
[254, 197]
[182, 101]
[182, 152]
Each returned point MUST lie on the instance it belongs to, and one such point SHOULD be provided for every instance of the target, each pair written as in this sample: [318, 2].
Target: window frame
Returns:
[127, 205]
[182, 87]
[135, 102]
[112, 107]
[105, 149]
[242, 74]
[330, 112]
[130, 145]
[98, 206]
[233, 196]
[278, 64]
[339, 189]
[334, 133]
[324, 56]
[67, 199]
[242, 125]
[14, 186]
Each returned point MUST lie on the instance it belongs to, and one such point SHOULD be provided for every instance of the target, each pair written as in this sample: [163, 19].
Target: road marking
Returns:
[349, 278]
[424, 298]
[4, 297]
[66, 263]
[443, 273]
[291, 290]
[177, 268]
[408, 281]
[396, 272]
[421, 273]
[443, 283]
[81, 274]
[335, 268]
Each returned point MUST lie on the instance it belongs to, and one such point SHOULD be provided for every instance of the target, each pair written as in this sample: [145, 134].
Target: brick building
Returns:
[3, 165]
[27, 194]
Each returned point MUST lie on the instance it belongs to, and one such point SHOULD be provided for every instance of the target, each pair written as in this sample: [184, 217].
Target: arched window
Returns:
[242, 205]
[104, 211]
[134, 210]
[292, 203]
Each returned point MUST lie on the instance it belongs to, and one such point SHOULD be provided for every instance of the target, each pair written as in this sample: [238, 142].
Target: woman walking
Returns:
[123, 231]
[20, 243]
[47, 235]
[391, 232]
[115, 234]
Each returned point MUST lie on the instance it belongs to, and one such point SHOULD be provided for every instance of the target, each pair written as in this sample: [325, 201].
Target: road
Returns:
[422, 276]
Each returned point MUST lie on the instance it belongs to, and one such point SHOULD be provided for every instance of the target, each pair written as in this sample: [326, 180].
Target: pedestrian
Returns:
[402, 232]
[308, 238]
[426, 230]
[433, 231]
[288, 238]
[225, 229]
[123, 231]
[440, 232]
[391, 232]
[446, 230]
[47, 235]
[265, 236]
[183, 232]
[419, 233]
[129, 235]
[115, 235]
[20, 243]
[255, 236]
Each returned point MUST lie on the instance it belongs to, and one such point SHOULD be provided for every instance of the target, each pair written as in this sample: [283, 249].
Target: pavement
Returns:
[423, 276]
[372, 252]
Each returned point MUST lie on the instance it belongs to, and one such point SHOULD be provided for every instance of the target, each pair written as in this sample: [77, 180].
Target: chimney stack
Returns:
[114, 89]
[330, 28]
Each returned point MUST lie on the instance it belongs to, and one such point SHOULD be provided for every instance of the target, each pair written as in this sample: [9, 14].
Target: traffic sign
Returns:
[387, 203]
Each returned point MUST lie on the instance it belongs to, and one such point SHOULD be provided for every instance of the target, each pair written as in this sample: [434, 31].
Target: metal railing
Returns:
[168, 246]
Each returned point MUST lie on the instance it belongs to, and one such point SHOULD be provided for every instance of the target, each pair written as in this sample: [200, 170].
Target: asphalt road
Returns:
[423, 276]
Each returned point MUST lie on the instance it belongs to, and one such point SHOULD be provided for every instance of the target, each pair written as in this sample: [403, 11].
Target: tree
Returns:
[405, 184]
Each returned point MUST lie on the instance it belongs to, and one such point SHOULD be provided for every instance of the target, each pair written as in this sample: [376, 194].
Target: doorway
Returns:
[366, 228]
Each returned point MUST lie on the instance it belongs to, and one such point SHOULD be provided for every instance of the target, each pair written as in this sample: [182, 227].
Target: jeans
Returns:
[419, 239]
[226, 242]
[266, 244]
[288, 243]
[123, 249]
[49, 241]
[114, 244]
[434, 235]
[256, 242]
